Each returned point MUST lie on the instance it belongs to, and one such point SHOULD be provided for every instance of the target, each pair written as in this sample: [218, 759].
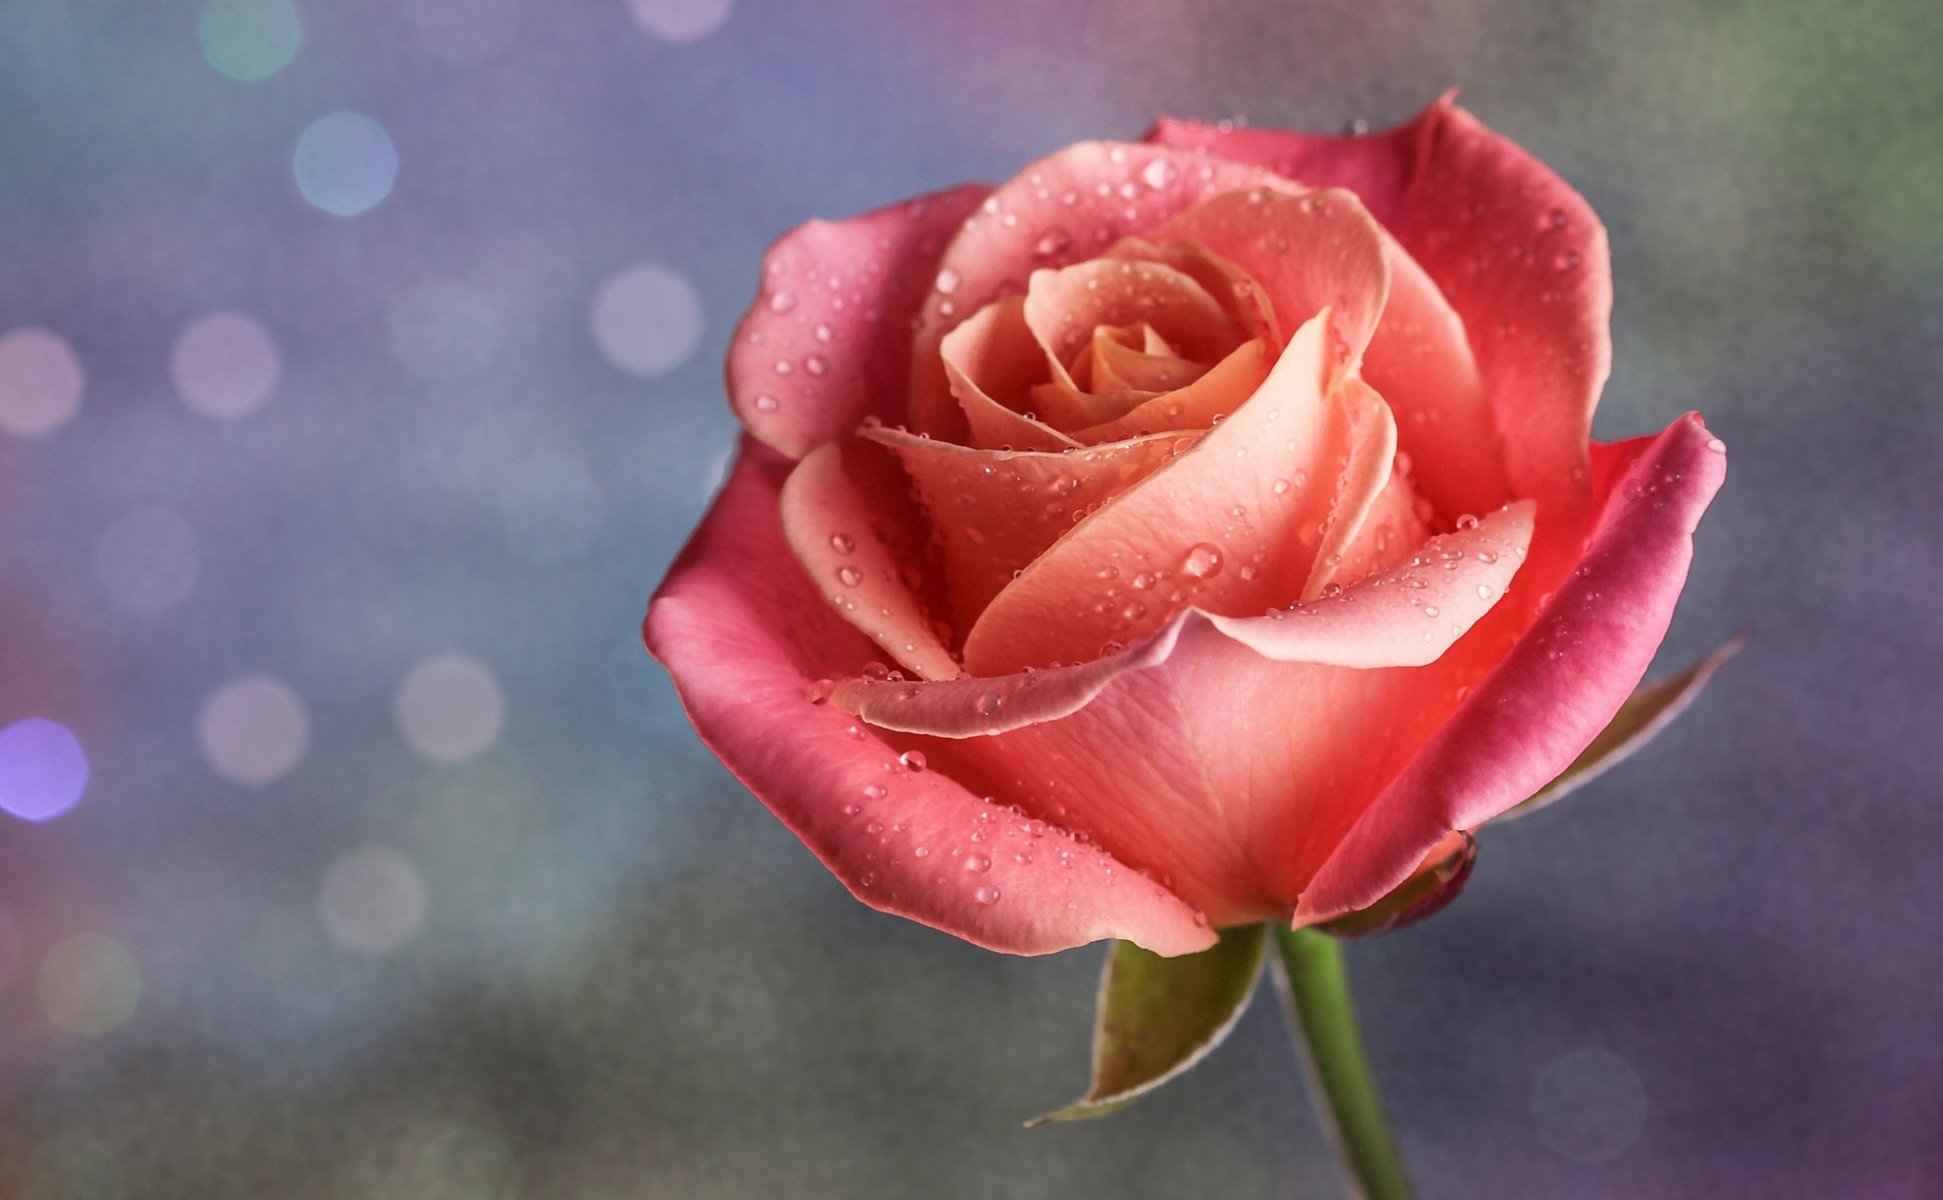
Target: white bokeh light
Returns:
[550, 506]
[1589, 1105]
[373, 900]
[253, 730]
[449, 708]
[41, 382]
[647, 319]
[680, 21]
[147, 560]
[225, 365]
[345, 163]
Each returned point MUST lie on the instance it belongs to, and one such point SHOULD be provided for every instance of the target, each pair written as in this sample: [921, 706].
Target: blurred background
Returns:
[359, 376]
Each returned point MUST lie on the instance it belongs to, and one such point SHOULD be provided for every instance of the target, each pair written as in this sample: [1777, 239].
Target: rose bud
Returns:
[1183, 535]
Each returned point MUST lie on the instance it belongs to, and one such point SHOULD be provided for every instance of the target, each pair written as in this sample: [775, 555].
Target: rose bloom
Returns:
[1183, 534]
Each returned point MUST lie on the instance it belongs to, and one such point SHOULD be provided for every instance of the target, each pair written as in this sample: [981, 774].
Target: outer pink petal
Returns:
[827, 343]
[1521, 256]
[744, 633]
[1556, 690]
[1071, 205]
[830, 526]
[1199, 756]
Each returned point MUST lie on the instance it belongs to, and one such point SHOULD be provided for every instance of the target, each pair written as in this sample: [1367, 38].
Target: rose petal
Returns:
[1557, 688]
[1065, 306]
[1188, 754]
[837, 300]
[990, 359]
[1230, 526]
[996, 511]
[1508, 242]
[744, 633]
[1406, 616]
[1068, 206]
[1646, 712]
[1246, 304]
[1371, 461]
[1199, 405]
[831, 528]
[1306, 252]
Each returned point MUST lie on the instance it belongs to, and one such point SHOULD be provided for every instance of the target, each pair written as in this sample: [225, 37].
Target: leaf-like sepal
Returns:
[1159, 1016]
[1646, 712]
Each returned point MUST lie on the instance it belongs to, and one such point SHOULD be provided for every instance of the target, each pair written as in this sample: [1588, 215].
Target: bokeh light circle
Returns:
[647, 319]
[89, 984]
[1589, 1105]
[373, 900]
[225, 365]
[249, 39]
[449, 708]
[680, 21]
[345, 163]
[551, 507]
[253, 730]
[40, 382]
[147, 560]
[43, 769]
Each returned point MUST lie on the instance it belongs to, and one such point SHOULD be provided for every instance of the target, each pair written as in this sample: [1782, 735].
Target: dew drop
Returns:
[1484, 591]
[767, 403]
[986, 894]
[912, 761]
[875, 791]
[948, 281]
[1281, 487]
[782, 302]
[816, 364]
[977, 863]
[849, 576]
[1052, 242]
[990, 703]
[1467, 521]
[1158, 173]
[1203, 561]
[842, 543]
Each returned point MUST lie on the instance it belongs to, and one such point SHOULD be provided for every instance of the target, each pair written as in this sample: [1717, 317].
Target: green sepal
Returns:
[1159, 1016]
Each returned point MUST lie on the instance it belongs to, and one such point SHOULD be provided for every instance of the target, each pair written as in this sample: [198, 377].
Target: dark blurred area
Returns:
[360, 375]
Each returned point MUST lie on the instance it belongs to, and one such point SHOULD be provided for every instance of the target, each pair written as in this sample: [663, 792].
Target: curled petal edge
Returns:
[1358, 628]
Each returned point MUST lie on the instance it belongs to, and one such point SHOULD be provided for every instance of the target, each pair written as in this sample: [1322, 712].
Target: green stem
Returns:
[1320, 1009]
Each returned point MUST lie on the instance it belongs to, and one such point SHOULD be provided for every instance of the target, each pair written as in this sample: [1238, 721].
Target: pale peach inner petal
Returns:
[1224, 388]
[1231, 526]
[1065, 307]
[996, 511]
[993, 358]
[1317, 250]
[831, 527]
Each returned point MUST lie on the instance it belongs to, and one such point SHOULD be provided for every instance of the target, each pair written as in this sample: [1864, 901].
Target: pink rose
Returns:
[1182, 534]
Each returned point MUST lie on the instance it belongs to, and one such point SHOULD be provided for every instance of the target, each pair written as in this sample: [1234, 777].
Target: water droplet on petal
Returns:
[1484, 591]
[1052, 242]
[1467, 521]
[948, 281]
[782, 302]
[977, 863]
[986, 894]
[990, 703]
[1203, 561]
[849, 576]
[767, 403]
[842, 543]
[911, 760]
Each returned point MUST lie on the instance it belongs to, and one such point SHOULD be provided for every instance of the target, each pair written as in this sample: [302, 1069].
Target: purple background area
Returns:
[1714, 973]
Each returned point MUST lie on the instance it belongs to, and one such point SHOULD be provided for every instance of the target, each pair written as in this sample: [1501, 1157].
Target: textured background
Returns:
[396, 872]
